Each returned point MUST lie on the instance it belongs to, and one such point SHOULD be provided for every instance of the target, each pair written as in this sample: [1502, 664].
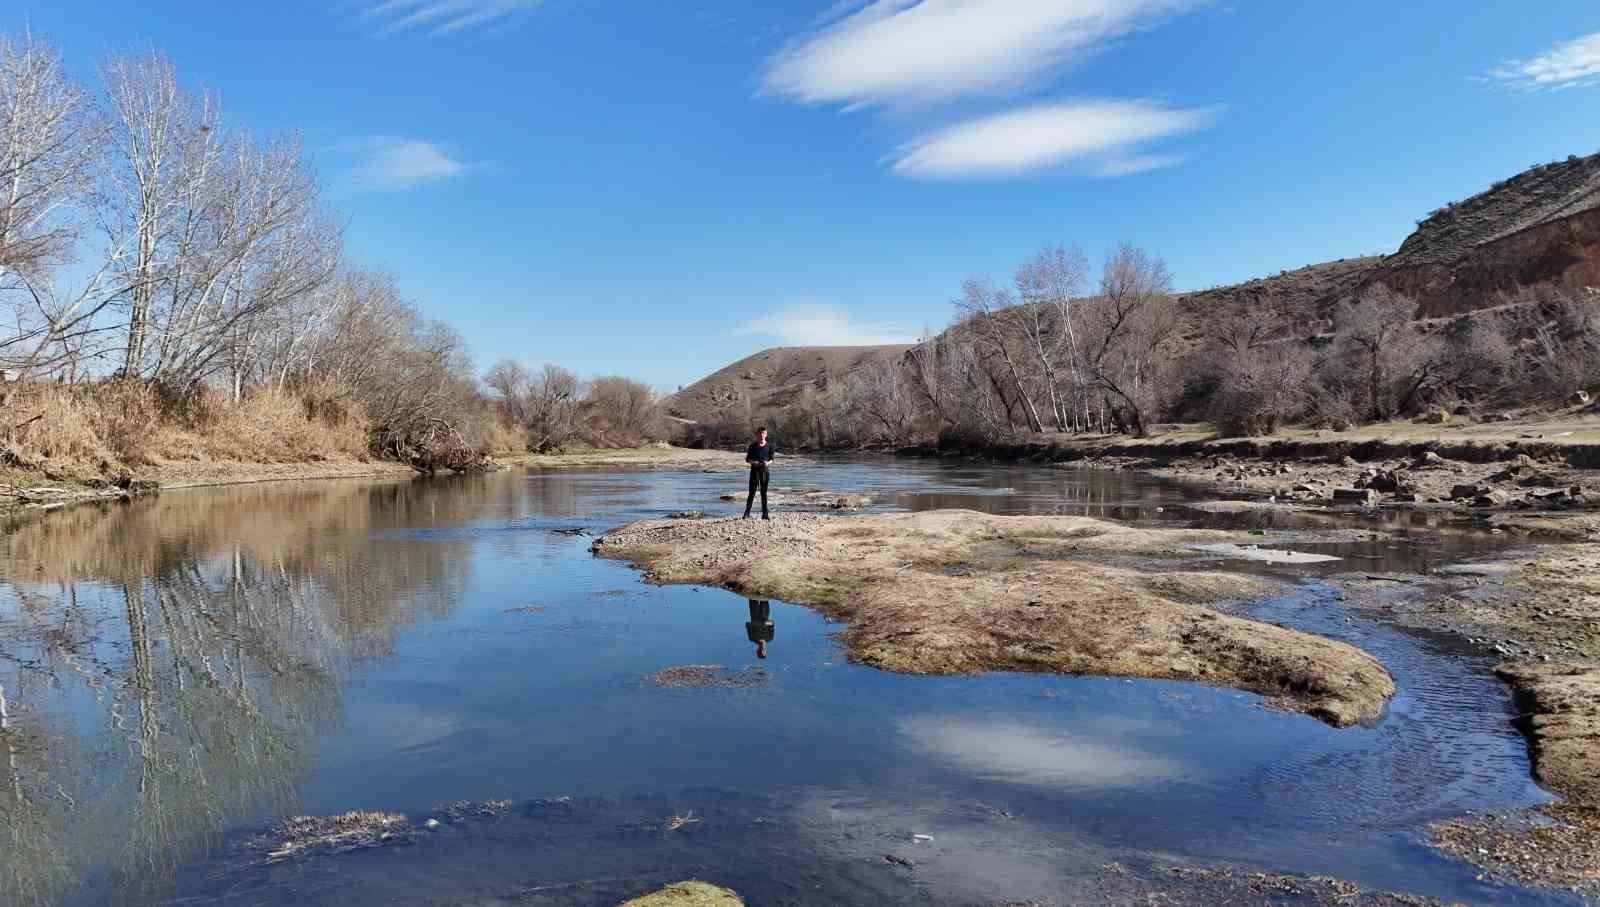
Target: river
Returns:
[179, 672]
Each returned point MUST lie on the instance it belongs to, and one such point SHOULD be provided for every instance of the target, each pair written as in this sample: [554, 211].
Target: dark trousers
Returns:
[758, 479]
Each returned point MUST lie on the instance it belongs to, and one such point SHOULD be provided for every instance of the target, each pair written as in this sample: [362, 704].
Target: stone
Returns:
[1429, 458]
[1462, 492]
[1436, 416]
[1348, 460]
[1405, 497]
[1493, 498]
[1387, 481]
[1363, 496]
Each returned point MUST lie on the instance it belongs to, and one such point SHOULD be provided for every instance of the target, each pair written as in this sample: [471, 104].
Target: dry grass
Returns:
[687, 894]
[947, 592]
[502, 439]
[114, 427]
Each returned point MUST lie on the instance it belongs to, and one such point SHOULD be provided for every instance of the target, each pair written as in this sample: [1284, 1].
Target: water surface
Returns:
[178, 672]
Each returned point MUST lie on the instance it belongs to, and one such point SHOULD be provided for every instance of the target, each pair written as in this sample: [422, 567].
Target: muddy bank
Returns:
[951, 592]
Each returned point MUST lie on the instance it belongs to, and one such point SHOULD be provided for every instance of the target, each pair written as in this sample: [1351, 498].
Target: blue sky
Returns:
[656, 188]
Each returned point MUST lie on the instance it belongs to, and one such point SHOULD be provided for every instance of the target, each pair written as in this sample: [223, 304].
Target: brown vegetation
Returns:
[686, 894]
[955, 592]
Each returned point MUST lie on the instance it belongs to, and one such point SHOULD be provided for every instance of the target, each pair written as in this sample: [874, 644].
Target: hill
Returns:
[1538, 228]
[772, 379]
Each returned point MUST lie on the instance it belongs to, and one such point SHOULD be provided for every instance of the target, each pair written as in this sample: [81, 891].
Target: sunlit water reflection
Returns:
[178, 672]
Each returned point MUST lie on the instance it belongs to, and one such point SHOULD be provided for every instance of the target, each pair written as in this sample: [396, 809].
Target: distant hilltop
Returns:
[771, 380]
[1538, 228]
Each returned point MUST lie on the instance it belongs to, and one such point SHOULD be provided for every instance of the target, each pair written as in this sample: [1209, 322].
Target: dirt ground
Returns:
[954, 591]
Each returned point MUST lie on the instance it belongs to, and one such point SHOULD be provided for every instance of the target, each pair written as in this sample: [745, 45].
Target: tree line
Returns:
[161, 264]
[1050, 353]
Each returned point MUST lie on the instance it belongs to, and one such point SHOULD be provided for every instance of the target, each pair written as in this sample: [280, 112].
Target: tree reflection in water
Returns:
[163, 664]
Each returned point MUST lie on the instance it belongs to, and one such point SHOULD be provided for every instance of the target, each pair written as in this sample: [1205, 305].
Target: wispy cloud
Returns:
[1570, 64]
[441, 17]
[389, 163]
[893, 52]
[1103, 136]
[809, 323]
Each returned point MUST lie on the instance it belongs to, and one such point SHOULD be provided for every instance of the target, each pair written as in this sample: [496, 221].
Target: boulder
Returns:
[1464, 492]
[1493, 498]
[1389, 482]
[1366, 497]
[1436, 416]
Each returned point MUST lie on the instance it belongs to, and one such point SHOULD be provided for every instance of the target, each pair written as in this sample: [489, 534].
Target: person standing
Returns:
[759, 456]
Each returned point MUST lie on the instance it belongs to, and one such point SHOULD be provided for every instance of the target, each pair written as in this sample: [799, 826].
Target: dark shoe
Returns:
[765, 517]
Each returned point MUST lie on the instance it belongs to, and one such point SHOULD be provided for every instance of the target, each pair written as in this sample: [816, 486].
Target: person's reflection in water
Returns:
[760, 628]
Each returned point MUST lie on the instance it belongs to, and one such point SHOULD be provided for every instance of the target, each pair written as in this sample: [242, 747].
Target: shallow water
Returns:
[180, 671]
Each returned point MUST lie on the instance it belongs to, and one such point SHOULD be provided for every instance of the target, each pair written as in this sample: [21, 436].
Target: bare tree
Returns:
[881, 391]
[167, 150]
[50, 137]
[1383, 348]
[1048, 284]
[620, 410]
[992, 317]
[1129, 331]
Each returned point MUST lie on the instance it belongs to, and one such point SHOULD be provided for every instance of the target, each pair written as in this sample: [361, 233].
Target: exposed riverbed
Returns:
[181, 672]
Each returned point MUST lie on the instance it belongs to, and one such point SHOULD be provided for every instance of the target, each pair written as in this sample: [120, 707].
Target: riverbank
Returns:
[952, 592]
[47, 489]
[1545, 463]
[30, 490]
[650, 456]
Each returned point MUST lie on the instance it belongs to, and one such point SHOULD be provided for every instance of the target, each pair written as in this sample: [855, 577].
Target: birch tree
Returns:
[1048, 284]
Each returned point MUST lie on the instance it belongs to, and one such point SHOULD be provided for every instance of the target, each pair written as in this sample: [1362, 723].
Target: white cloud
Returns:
[389, 163]
[1570, 64]
[924, 51]
[818, 324]
[442, 17]
[1102, 135]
